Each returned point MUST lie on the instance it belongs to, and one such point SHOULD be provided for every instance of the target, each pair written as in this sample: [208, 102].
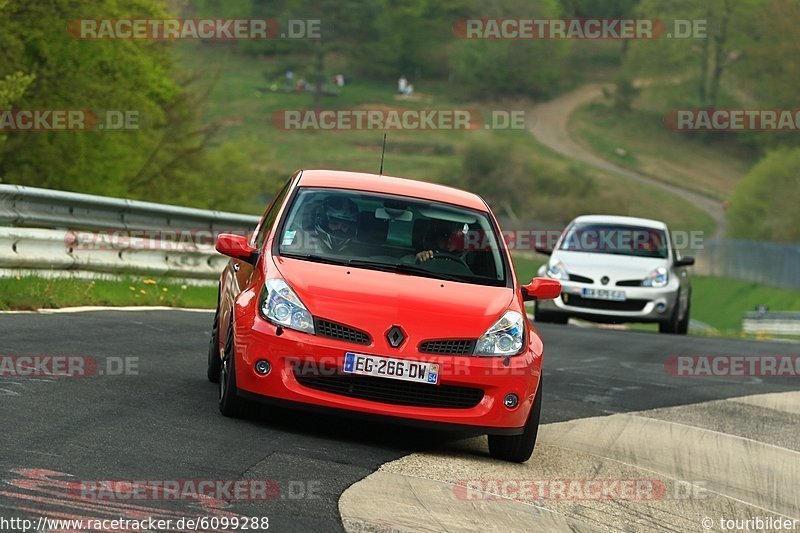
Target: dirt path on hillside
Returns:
[548, 124]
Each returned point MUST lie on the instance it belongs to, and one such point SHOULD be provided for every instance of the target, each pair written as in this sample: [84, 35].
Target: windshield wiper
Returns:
[403, 268]
[317, 258]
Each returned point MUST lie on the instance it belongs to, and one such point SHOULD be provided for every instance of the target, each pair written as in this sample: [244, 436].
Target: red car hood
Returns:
[374, 301]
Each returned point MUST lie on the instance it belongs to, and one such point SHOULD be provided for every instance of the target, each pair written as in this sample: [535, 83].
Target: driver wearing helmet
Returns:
[336, 223]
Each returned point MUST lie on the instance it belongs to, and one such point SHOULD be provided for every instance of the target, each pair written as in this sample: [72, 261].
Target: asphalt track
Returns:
[161, 422]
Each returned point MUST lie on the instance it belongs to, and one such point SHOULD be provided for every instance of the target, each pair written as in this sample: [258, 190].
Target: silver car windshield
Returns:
[618, 239]
[393, 233]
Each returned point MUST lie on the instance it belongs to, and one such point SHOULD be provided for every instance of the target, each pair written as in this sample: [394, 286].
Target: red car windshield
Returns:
[617, 239]
[393, 233]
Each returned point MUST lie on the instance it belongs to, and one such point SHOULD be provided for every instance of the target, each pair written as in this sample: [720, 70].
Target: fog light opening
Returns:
[661, 306]
[263, 367]
[511, 400]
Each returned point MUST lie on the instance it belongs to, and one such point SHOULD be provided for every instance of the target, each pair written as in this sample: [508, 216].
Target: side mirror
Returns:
[684, 261]
[237, 247]
[541, 289]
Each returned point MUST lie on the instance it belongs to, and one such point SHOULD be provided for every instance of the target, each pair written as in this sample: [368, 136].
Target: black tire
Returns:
[229, 402]
[214, 362]
[683, 325]
[519, 448]
[676, 325]
[552, 318]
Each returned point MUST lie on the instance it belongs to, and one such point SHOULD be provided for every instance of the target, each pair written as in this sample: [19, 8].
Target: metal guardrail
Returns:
[766, 263]
[55, 231]
[44, 208]
[29, 211]
[60, 250]
[773, 322]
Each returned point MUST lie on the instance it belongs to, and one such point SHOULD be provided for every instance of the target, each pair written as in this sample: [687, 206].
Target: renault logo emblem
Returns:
[395, 336]
[604, 280]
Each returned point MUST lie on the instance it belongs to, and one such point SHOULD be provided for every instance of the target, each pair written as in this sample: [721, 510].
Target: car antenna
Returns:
[383, 151]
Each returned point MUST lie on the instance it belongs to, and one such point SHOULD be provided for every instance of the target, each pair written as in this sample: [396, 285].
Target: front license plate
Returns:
[389, 367]
[603, 294]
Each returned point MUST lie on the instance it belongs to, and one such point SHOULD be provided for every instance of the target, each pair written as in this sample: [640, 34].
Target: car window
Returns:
[386, 232]
[618, 239]
[269, 217]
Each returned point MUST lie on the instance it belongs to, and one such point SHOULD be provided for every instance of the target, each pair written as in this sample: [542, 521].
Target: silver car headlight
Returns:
[505, 337]
[280, 305]
[657, 278]
[557, 270]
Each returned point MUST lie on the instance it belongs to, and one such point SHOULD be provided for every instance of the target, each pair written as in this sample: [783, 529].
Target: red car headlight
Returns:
[280, 305]
[505, 337]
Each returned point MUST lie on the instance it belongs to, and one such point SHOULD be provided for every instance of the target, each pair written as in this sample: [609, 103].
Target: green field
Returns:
[710, 165]
[722, 302]
[245, 92]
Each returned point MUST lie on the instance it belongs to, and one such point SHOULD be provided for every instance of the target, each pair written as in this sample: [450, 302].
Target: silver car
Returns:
[618, 269]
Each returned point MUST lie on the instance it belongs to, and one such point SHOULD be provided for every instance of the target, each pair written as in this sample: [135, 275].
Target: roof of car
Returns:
[388, 184]
[628, 221]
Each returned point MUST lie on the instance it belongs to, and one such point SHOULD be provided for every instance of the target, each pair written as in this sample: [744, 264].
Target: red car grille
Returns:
[394, 391]
[333, 330]
[448, 347]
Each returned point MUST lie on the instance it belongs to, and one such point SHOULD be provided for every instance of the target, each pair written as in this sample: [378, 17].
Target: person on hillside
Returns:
[402, 85]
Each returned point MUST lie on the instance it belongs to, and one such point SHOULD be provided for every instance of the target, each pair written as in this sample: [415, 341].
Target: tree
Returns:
[166, 158]
[13, 84]
[770, 62]
[496, 68]
[702, 61]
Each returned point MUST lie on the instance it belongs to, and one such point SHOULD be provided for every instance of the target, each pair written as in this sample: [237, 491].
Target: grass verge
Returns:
[722, 302]
[719, 302]
[26, 293]
[33, 292]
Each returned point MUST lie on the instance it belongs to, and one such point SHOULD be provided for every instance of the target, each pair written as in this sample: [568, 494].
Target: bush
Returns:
[624, 93]
[507, 175]
[764, 204]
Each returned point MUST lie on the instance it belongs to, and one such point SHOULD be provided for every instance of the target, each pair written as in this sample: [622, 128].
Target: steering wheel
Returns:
[447, 256]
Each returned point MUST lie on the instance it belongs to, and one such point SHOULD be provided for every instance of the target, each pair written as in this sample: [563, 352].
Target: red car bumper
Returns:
[295, 356]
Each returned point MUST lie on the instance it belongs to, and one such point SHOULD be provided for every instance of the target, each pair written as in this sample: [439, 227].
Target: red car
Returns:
[381, 296]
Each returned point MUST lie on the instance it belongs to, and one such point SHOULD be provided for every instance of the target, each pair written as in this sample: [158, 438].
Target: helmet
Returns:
[336, 222]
